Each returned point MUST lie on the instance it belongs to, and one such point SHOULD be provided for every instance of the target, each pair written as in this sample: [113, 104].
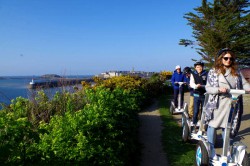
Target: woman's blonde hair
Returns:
[219, 67]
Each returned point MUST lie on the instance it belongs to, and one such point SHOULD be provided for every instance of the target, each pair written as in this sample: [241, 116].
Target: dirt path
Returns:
[150, 137]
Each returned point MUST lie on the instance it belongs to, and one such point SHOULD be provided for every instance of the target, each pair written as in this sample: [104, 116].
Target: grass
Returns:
[178, 152]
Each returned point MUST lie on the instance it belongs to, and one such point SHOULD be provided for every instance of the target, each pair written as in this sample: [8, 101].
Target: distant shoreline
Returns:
[56, 82]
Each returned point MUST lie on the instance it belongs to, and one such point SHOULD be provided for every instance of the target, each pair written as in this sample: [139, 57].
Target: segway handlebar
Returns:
[235, 92]
[180, 83]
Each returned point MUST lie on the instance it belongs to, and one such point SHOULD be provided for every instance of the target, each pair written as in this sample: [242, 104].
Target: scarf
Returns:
[212, 102]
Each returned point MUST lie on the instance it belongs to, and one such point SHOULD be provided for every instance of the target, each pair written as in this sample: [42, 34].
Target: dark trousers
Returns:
[176, 93]
[198, 103]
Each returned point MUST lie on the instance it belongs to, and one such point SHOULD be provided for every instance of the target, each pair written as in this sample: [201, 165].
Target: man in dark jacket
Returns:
[178, 77]
[198, 81]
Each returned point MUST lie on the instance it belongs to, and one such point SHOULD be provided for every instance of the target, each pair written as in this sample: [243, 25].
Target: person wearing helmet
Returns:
[198, 81]
[178, 77]
[187, 71]
[223, 76]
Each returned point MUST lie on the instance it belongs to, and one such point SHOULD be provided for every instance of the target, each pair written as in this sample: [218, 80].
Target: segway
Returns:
[187, 124]
[173, 109]
[231, 155]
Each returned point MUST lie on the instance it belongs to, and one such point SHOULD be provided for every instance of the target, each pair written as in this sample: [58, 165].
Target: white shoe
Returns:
[191, 123]
[215, 158]
[213, 155]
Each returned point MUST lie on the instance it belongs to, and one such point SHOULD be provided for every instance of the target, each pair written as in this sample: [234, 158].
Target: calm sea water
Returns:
[15, 86]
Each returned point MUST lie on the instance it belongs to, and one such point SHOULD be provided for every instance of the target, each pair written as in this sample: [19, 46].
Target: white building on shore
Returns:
[111, 74]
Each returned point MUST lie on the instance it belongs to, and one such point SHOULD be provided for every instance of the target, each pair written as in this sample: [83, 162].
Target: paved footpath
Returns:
[244, 132]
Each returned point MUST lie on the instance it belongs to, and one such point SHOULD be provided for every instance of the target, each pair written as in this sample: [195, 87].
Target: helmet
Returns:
[223, 50]
[198, 63]
[187, 70]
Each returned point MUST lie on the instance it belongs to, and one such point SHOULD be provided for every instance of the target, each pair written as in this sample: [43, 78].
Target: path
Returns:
[150, 136]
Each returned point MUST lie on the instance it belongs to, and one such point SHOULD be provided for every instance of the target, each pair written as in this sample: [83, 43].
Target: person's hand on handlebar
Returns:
[199, 86]
[222, 90]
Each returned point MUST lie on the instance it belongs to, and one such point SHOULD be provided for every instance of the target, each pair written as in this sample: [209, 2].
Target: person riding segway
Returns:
[178, 81]
[188, 127]
[224, 85]
[198, 81]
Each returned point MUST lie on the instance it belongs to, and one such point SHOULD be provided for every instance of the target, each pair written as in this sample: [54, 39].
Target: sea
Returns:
[12, 87]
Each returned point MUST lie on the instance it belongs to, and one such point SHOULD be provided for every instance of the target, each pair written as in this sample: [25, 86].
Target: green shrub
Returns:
[16, 137]
[100, 134]
[93, 126]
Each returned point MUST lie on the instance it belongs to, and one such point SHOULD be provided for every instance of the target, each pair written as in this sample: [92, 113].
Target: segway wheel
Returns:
[185, 129]
[201, 155]
[236, 121]
[245, 161]
[171, 109]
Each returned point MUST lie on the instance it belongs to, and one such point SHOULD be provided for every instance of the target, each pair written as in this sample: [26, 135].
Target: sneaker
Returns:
[215, 158]
[191, 123]
[213, 155]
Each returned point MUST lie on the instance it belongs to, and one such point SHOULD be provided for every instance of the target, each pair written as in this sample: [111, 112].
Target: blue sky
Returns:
[78, 37]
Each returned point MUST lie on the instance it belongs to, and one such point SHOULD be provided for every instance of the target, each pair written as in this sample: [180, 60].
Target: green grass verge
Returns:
[178, 152]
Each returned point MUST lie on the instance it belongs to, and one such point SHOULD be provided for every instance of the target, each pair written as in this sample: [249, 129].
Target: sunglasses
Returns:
[226, 58]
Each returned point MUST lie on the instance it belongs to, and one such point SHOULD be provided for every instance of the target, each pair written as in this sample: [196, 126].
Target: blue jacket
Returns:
[177, 77]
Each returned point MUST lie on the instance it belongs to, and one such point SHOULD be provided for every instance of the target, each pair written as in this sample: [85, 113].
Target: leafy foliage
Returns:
[16, 137]
[93, 126]
[221, 24]
[165, 75]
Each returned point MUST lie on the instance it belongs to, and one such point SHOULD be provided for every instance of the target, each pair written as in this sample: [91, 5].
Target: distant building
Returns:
[111, 74]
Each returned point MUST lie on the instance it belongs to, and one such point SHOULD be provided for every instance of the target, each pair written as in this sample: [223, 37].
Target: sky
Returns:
[88, 37]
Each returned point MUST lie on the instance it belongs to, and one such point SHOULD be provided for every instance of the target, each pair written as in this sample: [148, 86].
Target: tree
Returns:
[221, 24]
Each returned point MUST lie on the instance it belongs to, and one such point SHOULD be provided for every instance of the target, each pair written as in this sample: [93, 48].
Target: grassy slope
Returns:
[178, 152]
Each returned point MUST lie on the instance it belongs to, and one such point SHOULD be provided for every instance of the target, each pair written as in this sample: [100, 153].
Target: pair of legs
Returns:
[198, 103]
[191, 106]
[176, 93]
[211, 138]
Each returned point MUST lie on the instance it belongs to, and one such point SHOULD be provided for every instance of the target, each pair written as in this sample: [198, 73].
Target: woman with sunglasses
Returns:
[224, 76]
